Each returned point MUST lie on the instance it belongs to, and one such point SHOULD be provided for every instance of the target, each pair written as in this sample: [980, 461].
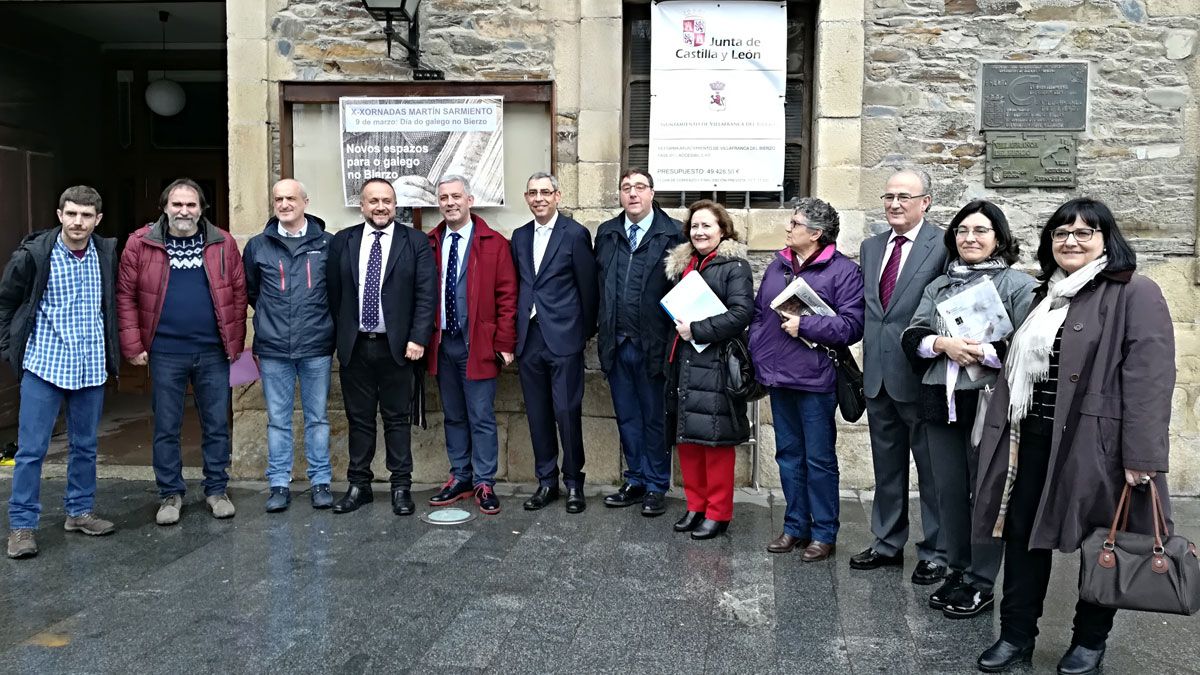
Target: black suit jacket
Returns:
[566, 289]
[408, 291]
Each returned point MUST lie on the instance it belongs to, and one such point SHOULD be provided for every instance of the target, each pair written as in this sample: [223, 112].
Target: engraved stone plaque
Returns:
[1030, 159]
[1033, 95]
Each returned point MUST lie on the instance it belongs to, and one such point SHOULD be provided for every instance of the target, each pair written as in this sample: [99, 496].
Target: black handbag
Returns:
[737, 372]
[1142, 572]
[851, 398]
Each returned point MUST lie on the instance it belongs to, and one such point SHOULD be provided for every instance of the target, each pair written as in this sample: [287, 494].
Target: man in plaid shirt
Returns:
[58, 331]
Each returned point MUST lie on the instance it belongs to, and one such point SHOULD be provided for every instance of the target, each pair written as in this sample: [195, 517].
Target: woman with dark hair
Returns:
[791, 360]
[704, 421]
[1082, 407]
[954, 370]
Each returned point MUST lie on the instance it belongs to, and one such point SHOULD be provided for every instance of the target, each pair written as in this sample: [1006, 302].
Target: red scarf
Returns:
[693, 264]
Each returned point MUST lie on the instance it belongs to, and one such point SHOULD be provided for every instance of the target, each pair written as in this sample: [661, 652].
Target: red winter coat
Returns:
[491, 300]
[142, 287]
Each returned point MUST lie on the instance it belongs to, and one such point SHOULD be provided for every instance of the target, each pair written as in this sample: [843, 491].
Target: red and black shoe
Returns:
[452, 491]
[487, 500]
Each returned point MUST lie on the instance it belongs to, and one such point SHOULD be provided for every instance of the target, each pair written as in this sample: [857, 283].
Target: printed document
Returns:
[692, 300]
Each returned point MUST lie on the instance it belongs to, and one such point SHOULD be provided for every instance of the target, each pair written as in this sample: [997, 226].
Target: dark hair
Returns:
[820, 216]
[178, 183]
[639, 172]
[723, 219]
[376, 179]
[1121, 256]
[82, 195]
[1007, 247]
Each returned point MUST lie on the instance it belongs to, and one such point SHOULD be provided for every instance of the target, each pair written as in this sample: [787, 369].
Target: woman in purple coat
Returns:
[790, 359]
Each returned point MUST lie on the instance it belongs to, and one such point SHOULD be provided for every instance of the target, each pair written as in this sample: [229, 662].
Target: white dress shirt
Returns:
[465, 233]
[643, 225]
[911, 236]
[364, 257]
[299, 233]
[541, 238]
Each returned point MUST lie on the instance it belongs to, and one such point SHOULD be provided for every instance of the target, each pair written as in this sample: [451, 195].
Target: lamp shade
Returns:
[165, 97]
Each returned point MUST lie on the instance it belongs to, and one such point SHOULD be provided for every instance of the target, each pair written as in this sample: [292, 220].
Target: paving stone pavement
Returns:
[603, 591]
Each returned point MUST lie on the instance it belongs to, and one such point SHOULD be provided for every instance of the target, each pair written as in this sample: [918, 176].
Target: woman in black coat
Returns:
[706, 423]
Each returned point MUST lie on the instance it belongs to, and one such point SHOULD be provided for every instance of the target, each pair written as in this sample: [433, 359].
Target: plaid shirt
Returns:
[66, 347]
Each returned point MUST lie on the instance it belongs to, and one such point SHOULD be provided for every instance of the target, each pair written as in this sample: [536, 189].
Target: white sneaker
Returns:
[221, 506]
[168, 510]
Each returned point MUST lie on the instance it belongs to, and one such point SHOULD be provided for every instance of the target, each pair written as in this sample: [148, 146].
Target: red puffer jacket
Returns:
[142, 287]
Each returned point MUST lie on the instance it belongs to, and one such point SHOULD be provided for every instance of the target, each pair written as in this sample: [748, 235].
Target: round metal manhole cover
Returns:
[450, 516]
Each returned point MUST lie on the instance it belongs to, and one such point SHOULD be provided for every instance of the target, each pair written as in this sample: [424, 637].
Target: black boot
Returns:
[1004, 655]
[690, 521]
[710, 528]
[1080, 660]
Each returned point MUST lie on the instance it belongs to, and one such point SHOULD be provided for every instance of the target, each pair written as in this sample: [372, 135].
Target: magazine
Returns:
[976, 313]
[692, 300]
[799, 299]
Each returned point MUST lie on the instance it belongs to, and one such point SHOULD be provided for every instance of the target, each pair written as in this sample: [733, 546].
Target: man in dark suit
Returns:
[382, 293]
[556, 314]
[897, 265]
[634, 333]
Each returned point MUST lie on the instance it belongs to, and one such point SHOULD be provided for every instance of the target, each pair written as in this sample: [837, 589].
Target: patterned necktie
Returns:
[887, 282]
[370, 308]
[540, 234]
[633, 236]
[452, 326]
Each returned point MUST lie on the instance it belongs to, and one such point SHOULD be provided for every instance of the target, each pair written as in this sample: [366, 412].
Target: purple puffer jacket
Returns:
[783, 361]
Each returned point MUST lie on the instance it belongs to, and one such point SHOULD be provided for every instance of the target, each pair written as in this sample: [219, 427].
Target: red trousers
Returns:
[708, 479]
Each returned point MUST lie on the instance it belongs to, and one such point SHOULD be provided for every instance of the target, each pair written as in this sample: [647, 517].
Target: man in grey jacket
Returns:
[897, 265]
[293, 338]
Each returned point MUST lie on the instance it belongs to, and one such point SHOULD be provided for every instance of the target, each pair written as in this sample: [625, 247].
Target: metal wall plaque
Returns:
[1033, 95]
[1030, 159]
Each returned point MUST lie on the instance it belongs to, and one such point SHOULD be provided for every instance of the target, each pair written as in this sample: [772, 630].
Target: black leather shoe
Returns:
[402, 502]
[452, 491]
[966, 602]
[541, 498]
[654, 504]
[690, 521]
[1004, 655]
[628, 495]
[710, 528]
[1080, 660]
[355, 497]
[575, 500]
[927, 573]
[871, 559]
[939, 598]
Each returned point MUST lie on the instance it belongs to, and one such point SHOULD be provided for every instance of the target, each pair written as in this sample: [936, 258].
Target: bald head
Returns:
[290, 201]
[906, 198]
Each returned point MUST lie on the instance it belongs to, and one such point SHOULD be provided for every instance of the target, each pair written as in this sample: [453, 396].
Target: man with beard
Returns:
[181, 305]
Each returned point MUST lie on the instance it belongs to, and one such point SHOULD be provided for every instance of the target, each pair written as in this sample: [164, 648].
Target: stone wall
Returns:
[895, 82]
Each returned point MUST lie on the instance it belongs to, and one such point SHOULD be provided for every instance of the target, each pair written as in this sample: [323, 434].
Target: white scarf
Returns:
[1028, 359]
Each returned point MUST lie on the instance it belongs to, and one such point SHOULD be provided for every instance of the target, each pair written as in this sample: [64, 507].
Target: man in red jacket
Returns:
[181, 308]
[475, 336]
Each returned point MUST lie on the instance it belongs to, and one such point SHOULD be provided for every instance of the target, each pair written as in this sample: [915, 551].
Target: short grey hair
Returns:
[455, 178]
[820, 216]
[538, 175]
[921, 174]
[299, 185]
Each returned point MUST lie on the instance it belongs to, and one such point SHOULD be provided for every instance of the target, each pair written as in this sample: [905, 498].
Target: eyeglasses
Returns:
[979, 232]
[1082, 235]
[902, 197]
[793, 224]
[634, 187]
[546, 194]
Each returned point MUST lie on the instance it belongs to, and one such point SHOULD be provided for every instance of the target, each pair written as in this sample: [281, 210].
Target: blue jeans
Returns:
[279, 389]
[40, 402]
[805, 440]
[469, 407]
[639, 403]
[208, 372]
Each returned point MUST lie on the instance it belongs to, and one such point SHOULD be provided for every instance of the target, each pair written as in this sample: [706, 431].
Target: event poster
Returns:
[413, 141]
[718, 78]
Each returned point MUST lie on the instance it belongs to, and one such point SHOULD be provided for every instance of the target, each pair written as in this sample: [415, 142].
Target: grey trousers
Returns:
[896, 429]
[955, 466]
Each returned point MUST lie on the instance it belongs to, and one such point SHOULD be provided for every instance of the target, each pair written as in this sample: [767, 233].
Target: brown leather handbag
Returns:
[1145, 573]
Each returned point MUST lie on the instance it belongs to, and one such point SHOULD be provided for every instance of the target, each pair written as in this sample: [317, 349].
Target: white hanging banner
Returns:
[718, 73]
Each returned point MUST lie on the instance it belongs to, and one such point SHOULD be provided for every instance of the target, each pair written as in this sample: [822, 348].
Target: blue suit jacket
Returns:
[565, 290]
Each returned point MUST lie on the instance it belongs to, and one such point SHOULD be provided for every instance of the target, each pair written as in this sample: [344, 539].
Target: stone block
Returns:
[853, 231]
[838, 141]
[247, 102]
[765, 227]
[839, 69]
[246, 19]
[842, 10]
[599, 136]
[602, 448]
[1172, 98]
[598, 185]
[568, 184]
[600, 9]
[247, 61]
[1180, 44]
[601, 86]
[566, 65]
[838, 185]
[249, 173]
[1168, 8]
[597, 398]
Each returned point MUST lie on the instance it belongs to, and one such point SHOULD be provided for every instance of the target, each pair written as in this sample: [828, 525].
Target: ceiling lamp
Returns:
[164, 96]
[388, 11]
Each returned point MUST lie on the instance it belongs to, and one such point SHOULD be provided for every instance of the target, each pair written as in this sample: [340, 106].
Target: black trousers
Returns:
[1026, 572]
[375, 382]
[553, 390]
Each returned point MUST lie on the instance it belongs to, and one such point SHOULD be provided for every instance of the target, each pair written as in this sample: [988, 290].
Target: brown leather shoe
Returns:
[818, 550]
[785, 542]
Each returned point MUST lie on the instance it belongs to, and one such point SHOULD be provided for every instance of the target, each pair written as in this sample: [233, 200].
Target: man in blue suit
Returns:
[557, 305]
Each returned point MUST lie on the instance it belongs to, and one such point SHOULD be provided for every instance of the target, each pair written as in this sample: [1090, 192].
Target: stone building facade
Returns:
[894, 82]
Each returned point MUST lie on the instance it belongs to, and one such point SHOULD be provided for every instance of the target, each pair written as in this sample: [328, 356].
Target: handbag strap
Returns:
[1122, 510]
[1159, 562]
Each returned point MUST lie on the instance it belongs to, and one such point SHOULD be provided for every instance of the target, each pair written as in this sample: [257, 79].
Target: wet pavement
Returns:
[603, 591]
